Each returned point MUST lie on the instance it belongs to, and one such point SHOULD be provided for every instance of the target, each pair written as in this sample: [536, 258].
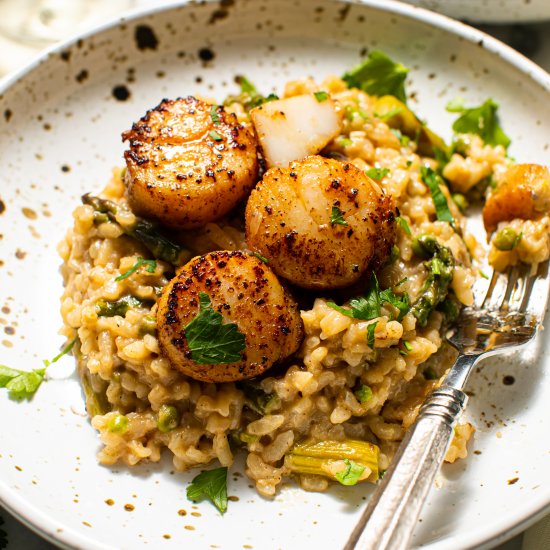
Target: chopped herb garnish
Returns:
[403, 280]
[402, 303]
[403, 224]
[369, 306]
[214, 115]
[484, 275]
[151, 266]
[482, 120]
[352, 474]
[431, 179]
[214, 135]
[210, 340]
[344, 142]
[407, 345]
[363, 393]
[378, 75]
[350, 111]
[336, 217]
[261, 258]
[249, 96]
[211, 484]
[370, 334]
[21, 384]
[377, 173]
[321, 96]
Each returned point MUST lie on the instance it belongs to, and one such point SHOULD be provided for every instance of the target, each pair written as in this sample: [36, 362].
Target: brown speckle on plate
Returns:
[2, 206]
[82, 76]
[145, 37]
[121, 92]
[129, 507]
[508, 380]
[182, 512]
[206, 54]
[109, 502]
[7, 115]
[20, 254]
[513, 480]
[29, 213]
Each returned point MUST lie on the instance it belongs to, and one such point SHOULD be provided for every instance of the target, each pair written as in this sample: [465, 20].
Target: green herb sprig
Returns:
[337, 217]
[23, 384]
[378, 75]
[352, 474]
[151, 266]
[211, 484]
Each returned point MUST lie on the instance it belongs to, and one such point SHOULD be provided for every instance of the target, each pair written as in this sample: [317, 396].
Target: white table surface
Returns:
[533, 40]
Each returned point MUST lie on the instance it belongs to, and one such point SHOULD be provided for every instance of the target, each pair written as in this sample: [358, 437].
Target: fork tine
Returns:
[496, 291]
[517, 286]
[534, 303]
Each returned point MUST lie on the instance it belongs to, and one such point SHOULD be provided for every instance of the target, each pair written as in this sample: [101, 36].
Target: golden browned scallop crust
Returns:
[246, 292]
[523, 193]
[188, 163]
[291, 219]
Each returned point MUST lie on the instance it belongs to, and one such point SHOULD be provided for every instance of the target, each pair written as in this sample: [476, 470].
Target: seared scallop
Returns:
[246, 293]
[523, 193]
[321, 223]
[188, 163]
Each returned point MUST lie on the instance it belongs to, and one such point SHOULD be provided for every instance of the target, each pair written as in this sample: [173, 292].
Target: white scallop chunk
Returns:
[293, 128]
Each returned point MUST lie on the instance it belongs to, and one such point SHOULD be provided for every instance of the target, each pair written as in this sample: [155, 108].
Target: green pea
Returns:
[118, 424]
[506, 239]
[168, 418]
[461, 201]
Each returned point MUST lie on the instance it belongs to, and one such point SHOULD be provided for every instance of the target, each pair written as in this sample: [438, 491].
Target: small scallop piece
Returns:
[188, 163]
[523, 193]
[293, 128]
[292, 220]
[244, 291]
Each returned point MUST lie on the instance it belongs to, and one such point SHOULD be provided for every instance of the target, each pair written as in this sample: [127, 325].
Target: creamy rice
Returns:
[124, 373]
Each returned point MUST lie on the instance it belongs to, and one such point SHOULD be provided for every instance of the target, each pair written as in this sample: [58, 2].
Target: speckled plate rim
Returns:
[65, 537]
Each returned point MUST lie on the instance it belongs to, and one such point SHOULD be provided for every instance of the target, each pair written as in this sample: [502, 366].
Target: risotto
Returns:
[358, 351]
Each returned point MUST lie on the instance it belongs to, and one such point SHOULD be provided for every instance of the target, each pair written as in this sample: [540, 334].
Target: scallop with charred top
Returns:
[523, 192]
[188, 163]
[320, 222]
[244, 291]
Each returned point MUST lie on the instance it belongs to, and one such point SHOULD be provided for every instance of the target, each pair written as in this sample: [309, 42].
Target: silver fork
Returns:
[508, 312]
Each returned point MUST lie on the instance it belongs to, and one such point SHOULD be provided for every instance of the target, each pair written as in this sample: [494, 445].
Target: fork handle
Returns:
[391, 515]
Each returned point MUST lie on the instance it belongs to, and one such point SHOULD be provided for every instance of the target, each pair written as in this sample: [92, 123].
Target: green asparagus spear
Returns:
[107, 308]
[144, 231]
[440, 267]
[258, 400]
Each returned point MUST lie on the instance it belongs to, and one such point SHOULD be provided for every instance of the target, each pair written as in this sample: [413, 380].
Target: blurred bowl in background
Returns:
[490, 11]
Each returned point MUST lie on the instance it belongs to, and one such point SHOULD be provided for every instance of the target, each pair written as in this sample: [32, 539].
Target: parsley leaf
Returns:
[214, 135]
[402, 303]
[321, 96]
[369, 306]
[402, 222]
[211, 484]
[214, 115]
[20, 383]
[336, 217]
[151, 266]
[377, 173]
[210, 340]
[378, 75]
[363, 394]
[352, 474]
[370, 334]
[431, 179]
[482, 120]
[249, 96]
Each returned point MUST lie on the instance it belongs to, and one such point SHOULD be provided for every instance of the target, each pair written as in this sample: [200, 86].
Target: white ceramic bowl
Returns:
[490, 11]
[61, 124]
